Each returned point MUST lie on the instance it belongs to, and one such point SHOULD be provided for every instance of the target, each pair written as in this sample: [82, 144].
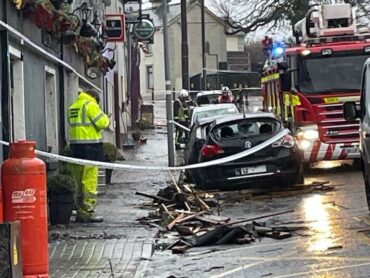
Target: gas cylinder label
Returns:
[24, 197]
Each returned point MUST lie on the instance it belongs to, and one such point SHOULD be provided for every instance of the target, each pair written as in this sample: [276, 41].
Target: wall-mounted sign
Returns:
[115, 27]
[132, 7]
[133, 19]
[144, 30]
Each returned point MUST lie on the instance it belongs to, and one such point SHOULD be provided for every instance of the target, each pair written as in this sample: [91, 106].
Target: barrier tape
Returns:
[180, 126]
[117, 166]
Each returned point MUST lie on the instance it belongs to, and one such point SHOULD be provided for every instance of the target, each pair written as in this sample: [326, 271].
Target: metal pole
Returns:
[169, 108]
[204, 61]
[184, 46]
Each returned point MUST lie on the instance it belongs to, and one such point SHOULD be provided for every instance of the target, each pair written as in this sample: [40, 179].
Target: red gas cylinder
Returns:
[23, 179]
[1, 206]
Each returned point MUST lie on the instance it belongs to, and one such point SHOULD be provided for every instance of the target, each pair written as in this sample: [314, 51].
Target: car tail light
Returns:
[286, 142]
[211, 150]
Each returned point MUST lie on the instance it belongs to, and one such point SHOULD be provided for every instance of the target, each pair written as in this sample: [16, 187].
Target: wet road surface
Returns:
[336, 244]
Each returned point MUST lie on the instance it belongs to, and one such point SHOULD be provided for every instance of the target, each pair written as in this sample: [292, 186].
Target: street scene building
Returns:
[184, 138]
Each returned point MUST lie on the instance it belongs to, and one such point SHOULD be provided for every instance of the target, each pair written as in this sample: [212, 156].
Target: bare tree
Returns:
[249, 15]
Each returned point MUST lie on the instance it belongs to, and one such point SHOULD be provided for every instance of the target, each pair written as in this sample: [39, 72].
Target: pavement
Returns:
[119, 246]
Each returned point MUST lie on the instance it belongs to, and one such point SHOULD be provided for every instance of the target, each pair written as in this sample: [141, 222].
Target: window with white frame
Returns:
[149, 77]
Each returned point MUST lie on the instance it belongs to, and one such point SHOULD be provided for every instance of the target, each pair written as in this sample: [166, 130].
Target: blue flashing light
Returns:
[278, 50]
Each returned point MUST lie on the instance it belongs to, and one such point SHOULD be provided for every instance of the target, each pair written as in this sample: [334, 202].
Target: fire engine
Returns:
[307, 84]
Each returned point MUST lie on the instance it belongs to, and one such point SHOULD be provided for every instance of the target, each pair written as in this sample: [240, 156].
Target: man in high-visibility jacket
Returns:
[86, 122]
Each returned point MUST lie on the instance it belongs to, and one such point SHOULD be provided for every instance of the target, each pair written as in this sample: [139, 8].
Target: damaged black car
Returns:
[278, 163]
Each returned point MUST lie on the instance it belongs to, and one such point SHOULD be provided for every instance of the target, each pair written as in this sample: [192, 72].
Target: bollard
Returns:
[23, 178]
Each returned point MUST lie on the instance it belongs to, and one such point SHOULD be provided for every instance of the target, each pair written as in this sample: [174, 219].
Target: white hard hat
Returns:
[225, 89]
[184, 93]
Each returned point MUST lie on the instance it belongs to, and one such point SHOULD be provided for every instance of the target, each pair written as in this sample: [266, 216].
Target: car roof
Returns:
[214, 107]
[256, 115]
[207, 93]
[208, 120]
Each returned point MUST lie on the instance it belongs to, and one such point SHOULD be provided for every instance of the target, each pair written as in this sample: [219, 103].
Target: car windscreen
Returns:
[207, 99]
[215, 112]
[246, 129]
[337, 73]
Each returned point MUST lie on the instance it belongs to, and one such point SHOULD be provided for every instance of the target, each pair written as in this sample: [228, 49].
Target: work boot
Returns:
[90, 219]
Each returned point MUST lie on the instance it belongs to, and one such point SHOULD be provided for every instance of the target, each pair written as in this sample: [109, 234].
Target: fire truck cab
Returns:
[308, 84]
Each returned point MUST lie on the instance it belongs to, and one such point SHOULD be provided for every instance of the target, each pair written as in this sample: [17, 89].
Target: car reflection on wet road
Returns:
[335, 245]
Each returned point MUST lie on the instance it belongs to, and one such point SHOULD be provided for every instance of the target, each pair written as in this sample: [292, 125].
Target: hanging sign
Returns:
[144, 30]
[115, 27]
[133, 19]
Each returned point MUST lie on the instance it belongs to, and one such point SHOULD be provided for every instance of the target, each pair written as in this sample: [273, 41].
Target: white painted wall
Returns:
[51, 109]
[156, 59]
[235, 43]
[19, 120]
[214, 35]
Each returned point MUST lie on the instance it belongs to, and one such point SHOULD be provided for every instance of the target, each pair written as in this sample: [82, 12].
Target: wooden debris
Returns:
[174, 222]
[195, 223]
[166, 210]
[278, 235]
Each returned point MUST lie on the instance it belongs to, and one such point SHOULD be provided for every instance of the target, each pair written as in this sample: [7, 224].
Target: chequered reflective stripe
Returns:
[321, 151]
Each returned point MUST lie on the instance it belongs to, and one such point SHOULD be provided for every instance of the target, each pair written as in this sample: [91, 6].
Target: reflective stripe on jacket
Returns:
[181, 111]
[86, 120]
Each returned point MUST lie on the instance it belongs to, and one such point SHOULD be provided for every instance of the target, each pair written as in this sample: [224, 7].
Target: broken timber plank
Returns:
[191, 216]
[178, 189]
[175, 221]
[166, 210]
[260, 217]
[154, 197]
[202, 203]
[214, 220]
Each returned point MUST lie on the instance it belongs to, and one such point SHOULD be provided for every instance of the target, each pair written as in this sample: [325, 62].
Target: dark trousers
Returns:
[180, 132]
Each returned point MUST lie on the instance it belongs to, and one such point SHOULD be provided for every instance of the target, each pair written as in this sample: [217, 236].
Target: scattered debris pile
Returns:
[192, 214]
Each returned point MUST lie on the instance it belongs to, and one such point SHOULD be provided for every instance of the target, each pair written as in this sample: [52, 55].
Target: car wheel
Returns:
[365, 172]
[297, 178]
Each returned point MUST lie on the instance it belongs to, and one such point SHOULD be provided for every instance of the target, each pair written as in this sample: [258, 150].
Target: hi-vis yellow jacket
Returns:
[86, 120]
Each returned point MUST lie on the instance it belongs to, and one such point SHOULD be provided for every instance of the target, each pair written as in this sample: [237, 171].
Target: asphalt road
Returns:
[334, 246]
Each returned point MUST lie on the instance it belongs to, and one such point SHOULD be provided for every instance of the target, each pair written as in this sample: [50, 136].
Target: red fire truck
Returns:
[307, 84]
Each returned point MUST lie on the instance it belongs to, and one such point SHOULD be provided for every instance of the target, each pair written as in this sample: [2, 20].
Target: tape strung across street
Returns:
[118, 166]
[180, 126]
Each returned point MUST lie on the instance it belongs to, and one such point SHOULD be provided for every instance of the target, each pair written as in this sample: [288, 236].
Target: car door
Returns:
[365, 114]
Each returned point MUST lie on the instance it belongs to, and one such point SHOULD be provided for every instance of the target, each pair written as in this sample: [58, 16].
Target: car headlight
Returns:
[310, 134]
[304, 144]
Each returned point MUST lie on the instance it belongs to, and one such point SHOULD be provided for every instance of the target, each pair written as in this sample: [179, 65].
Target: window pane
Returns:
[150, 78]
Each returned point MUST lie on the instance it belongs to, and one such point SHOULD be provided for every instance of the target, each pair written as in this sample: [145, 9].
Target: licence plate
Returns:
[251, 170]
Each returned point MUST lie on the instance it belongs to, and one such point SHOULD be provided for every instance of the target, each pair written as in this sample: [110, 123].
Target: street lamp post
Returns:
[204, 57]
[169, 107]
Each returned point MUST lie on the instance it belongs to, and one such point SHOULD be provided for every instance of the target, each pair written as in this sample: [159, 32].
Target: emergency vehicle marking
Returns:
[321, 151]
[329, 100]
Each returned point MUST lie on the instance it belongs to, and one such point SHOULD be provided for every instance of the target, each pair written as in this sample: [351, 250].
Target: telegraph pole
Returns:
[167, 73]
[184, 46]
[204, 57]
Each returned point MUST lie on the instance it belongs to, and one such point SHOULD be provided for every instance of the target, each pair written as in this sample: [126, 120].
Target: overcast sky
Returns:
[256, 36]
